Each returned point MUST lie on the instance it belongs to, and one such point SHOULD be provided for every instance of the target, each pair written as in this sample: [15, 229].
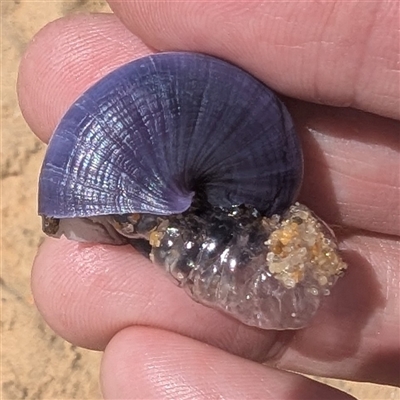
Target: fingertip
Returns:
[64, 59]
[87, 293]
[145, 363]
[73, 283]
[26, 86]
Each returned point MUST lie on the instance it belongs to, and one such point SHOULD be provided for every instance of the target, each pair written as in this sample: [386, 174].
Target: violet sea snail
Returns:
[196, 163]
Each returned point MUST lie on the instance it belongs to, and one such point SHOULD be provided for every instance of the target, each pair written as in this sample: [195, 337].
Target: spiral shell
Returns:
[195, 162]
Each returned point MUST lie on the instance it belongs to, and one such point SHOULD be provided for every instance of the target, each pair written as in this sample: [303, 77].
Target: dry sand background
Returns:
[36, 363]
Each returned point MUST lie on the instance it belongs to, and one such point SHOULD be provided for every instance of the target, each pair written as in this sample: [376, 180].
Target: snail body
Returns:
[197, 163]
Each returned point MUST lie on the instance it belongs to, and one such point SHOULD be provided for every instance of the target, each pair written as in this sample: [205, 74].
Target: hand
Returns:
[157, 342]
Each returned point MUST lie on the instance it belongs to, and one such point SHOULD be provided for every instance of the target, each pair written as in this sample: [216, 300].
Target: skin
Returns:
[157, 343]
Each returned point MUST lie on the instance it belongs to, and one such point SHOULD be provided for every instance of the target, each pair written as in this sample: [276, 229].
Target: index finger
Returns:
[337, 53]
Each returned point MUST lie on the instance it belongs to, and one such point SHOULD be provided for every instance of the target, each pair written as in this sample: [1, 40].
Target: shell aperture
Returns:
[199, 160]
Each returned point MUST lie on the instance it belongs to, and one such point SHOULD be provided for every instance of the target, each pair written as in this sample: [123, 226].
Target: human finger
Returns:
[141, 362]
[87, 293]
[64, 59]
[338, 52]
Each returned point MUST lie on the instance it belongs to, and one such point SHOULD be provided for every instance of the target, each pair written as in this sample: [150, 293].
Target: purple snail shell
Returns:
[195, 163]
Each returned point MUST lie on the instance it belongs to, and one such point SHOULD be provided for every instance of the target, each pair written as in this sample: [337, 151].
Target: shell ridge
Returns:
[200, 110]
[175, 95]
[176, 184]
[214, 135]
[145, 106]
[104, 148]
[58, 161]
[204, 131]
[151, 102]
[250, 178]
[188, 92]
[230, 135]
[116, 198]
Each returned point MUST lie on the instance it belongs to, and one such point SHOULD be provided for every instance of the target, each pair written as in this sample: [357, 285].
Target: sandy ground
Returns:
[36, 363]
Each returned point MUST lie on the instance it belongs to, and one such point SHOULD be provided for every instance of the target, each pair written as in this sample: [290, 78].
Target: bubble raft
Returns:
[272, 273]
